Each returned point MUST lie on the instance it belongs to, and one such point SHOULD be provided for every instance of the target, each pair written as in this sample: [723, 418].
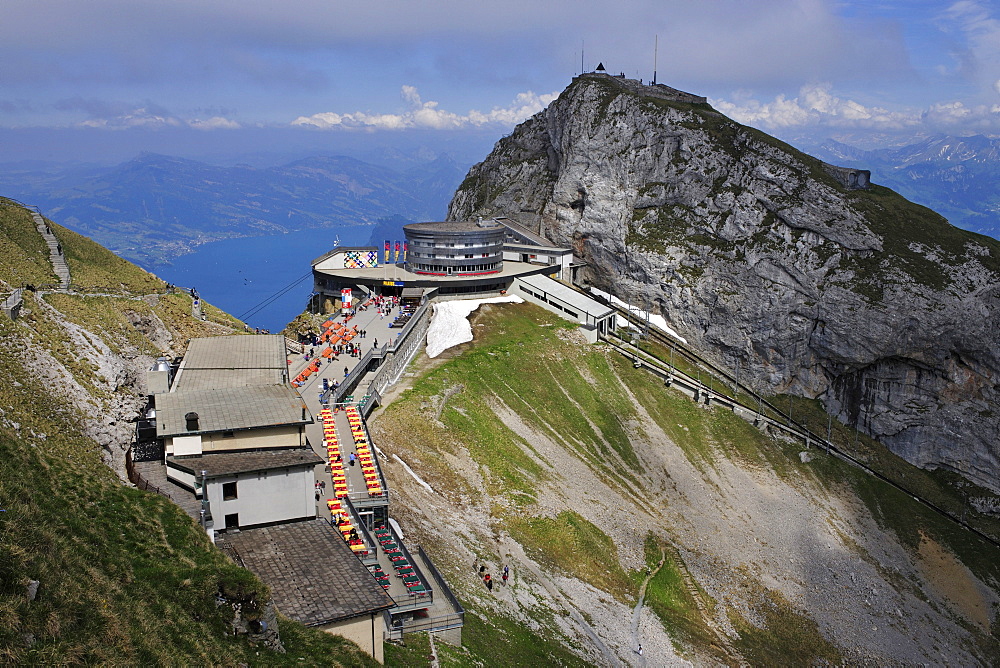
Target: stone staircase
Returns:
[56, 255]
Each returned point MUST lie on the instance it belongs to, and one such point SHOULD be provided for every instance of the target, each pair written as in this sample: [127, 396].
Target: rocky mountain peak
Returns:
[764, 255]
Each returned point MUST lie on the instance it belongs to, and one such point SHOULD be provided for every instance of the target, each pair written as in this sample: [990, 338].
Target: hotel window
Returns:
[229, 491]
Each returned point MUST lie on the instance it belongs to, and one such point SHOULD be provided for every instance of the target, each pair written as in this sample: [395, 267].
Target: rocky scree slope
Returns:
[754, 252]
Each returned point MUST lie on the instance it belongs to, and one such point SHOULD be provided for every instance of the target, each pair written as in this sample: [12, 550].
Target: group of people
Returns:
[320, 489]
[485, 576]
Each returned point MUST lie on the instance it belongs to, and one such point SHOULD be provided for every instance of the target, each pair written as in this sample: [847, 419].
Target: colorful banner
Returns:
[345, 299]
[387, 251]
[405, 245]
[396, 258]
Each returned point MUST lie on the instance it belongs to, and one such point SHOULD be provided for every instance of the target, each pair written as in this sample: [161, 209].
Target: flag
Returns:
[404, 251]
[396, 258]
[387, 251]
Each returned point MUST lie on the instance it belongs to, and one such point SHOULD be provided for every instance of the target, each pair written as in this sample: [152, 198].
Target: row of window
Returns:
[463, 269]
[432, 256]
[471, 244]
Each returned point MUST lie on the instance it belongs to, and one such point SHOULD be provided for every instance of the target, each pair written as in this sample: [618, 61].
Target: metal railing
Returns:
[442, 585]
[136, 478]
[397, 627]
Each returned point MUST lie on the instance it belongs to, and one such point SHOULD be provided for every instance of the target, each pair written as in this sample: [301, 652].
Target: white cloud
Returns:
[214, 123]
[429, 116]
[816, 106]
[137, 118]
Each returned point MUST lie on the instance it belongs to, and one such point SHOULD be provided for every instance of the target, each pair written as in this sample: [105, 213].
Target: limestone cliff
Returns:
[758, 253]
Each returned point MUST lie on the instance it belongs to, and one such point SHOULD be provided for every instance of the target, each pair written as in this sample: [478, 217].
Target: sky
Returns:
[100, 79]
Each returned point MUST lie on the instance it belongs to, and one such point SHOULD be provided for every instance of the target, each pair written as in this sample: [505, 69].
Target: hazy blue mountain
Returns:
[155, 207]
[955, 176]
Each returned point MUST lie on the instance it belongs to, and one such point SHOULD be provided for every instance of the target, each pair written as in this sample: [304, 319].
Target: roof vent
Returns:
[192, 421]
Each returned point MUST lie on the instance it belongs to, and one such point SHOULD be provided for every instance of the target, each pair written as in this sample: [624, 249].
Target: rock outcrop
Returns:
[756, 252]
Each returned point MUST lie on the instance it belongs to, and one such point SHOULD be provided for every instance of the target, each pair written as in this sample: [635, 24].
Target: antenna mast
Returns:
[581, 56]
[656, 47]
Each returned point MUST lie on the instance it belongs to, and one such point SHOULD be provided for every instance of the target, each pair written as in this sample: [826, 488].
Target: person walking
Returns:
[488, 581]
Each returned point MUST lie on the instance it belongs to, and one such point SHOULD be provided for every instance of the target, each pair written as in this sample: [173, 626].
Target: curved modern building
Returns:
[465, 248]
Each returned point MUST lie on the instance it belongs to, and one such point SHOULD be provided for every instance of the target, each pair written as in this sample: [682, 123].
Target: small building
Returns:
[595, 318]
[231, 432]
[315, 579]
[246, 489]
[523, 245]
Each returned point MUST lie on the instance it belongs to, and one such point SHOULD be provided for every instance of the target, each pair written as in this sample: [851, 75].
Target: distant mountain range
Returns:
[955, 176]
[156, 207]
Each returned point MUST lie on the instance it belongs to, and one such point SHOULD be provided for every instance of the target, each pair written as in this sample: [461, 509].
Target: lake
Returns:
[240, 275]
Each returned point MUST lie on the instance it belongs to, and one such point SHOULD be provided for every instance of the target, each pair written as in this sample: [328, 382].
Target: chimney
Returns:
[192, 421]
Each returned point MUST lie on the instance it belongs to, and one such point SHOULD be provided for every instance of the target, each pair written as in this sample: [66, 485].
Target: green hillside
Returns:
[125, 577]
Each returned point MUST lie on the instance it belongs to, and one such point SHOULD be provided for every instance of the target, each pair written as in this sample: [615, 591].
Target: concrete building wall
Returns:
[289, 436]
[265, 438]
[366, 631]
[263, 497]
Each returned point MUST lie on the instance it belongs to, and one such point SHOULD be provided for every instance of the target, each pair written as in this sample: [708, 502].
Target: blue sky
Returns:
[125, 72]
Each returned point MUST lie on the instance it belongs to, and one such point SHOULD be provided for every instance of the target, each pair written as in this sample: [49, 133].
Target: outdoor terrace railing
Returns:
[442, 585]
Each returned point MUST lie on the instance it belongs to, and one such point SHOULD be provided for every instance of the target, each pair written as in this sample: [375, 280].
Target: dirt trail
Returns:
[637, 611]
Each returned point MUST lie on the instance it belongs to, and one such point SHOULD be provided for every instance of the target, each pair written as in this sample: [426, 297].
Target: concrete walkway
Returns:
[377, 331]
[56, 255]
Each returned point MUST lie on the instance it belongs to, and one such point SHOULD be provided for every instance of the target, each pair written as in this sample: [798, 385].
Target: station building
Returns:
[446, 259]
[459, 260]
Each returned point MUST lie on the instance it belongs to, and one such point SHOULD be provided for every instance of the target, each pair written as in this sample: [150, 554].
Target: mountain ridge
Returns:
[749, 248]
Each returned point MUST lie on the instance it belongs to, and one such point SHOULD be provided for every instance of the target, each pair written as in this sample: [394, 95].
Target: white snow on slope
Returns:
[450, 325]
[656, 320]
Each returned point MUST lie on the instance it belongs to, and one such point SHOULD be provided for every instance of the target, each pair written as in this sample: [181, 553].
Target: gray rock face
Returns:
[755, 252]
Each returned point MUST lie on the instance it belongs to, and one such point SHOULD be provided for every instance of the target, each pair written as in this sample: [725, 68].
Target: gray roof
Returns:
[567, 295]
[228, 463]
[314, 577]
[229, 409]
[523, 231]
[230, 361]
[453, 227]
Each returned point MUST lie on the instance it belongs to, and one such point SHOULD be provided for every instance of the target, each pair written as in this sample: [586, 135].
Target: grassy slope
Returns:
[126, 577]
[519, 360]
[24, 257]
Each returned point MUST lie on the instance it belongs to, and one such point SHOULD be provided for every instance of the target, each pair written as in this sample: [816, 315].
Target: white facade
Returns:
[262, 497]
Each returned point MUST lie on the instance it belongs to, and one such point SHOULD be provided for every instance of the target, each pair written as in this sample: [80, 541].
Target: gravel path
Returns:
[636, 612]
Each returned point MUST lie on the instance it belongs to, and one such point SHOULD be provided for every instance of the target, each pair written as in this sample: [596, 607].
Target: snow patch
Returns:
[415, 476]
[450, 325]
[653, 319]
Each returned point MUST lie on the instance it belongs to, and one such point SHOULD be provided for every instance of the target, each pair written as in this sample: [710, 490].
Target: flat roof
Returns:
[230, 409]
[217, 464]
[230, 361]
[525, 232]
[342, 249]
[314, 577]
[454, 226]
[568, 295]
[397, 273]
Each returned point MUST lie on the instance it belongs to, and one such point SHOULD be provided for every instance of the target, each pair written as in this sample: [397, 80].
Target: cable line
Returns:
[253, 310]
